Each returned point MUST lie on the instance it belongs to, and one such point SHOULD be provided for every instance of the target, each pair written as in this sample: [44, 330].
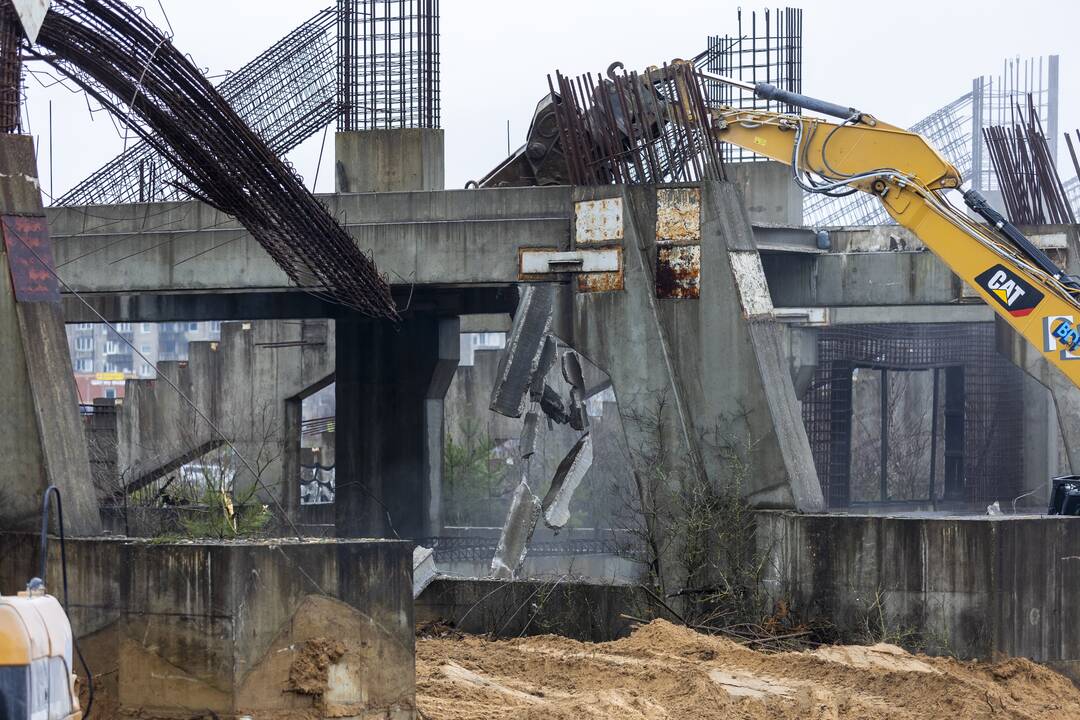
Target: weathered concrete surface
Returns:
[771, 196]
[972, 586]
[391, 381]
[389, 160]
[718, 363]
[42, 442]
[571, 608]
[250, 384]
[453, 237]
[175, 631]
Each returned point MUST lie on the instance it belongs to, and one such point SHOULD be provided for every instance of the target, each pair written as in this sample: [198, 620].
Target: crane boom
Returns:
[911, 179]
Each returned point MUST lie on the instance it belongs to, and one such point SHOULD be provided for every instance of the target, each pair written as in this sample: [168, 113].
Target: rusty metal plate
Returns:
[28, 246]
[678, 215]
[598, 221]
[603, 281]
[678, 272]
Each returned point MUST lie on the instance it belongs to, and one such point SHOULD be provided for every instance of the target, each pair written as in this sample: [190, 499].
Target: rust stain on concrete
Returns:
[678, 215]
[678, 271]
[598, 221]
[604, 281]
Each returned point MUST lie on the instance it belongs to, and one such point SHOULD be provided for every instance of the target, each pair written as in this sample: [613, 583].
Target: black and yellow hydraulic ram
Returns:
[911, 179]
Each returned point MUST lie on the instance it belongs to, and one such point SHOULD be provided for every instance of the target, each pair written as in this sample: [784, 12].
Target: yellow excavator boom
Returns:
[911, 179]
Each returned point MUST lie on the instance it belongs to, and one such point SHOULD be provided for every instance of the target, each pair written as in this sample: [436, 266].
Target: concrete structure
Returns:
[391, 382]
[255, 629]
[250, 384]
[390, 160]
[42, 443]
[971, 586]
[717, 361]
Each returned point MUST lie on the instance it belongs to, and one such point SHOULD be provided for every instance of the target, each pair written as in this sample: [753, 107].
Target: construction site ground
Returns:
[667, 671]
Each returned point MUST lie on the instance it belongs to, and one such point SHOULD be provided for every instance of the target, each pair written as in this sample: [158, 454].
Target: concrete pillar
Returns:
[392, 160]
[771, 196]
[391, 381]
[43, 442]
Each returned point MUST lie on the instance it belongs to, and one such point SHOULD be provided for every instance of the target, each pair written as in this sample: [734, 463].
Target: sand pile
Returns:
[666, 671]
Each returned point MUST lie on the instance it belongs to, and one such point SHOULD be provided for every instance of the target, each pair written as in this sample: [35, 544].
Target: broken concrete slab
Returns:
[553, 407]
[547, 359]
[517, 531]
[424, 570]
[527, 441]
[571, 370]
[568, 477]
[524, 348]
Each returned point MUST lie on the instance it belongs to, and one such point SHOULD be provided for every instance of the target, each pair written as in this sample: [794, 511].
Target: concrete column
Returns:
[771, 196]
[43, 442]
[390, 384]
[392, 160]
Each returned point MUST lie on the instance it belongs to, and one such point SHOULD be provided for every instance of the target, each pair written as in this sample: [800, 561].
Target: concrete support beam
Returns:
[716, 362]
[43, 442]
[388, 424]
[390, 160]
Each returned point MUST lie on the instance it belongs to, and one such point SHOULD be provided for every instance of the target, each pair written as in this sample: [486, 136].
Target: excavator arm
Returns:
[861, 154]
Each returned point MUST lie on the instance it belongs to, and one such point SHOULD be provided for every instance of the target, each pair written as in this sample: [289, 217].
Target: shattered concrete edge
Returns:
[424, 570]
[524, 348]
[516, 533]
[568, 477]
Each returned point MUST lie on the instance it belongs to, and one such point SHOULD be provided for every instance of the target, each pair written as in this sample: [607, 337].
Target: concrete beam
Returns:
[448, 238]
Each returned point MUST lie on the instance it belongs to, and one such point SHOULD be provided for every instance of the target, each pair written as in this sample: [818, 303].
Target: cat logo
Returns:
[1011, 292]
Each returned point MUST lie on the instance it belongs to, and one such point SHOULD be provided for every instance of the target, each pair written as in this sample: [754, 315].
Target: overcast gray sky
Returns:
[898, 61]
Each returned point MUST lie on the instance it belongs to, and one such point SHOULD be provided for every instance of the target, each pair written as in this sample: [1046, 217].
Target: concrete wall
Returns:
[971, 586]
[249, 384]
[571, 608]
[390, 160]
[175, 631]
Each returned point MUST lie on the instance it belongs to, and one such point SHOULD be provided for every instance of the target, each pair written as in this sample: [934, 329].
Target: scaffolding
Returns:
[769, 51]
[388, 64]
[956, 130]
[286, 95]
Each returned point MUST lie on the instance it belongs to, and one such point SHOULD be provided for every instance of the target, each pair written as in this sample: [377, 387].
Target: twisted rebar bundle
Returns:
[132, 68]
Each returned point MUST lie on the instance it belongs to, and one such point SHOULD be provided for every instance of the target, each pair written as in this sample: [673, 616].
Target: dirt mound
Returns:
[664, 672]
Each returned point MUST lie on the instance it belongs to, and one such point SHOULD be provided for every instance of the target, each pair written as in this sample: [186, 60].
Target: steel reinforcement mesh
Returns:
[993, 404]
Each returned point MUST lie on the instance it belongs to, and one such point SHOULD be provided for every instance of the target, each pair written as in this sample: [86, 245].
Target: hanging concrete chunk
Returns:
[423, 569]
[527, 441]
[522, 357]
[516, 533]
[568, 476]
[547, 359]
[571, 369]
[553, 407]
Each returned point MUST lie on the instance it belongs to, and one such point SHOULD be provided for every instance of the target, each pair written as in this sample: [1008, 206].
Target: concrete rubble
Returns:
[568, 477]
[525, 346]
[516, 533]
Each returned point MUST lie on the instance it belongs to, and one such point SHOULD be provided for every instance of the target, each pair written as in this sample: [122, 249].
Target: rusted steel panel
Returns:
[598, 222]
[603, 281]
[28, 247]
[678, 271]
[678, 215]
